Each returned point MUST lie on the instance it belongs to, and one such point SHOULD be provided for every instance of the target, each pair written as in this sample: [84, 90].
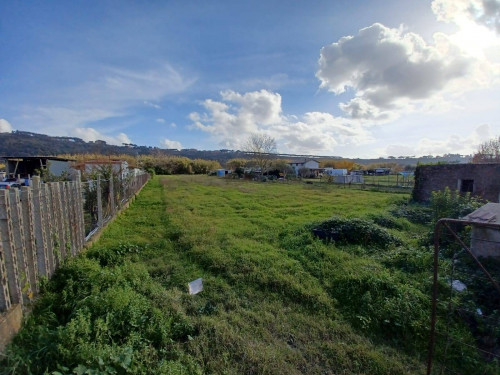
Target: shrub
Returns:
[413, 212]
[355, 232]
[451, 204]
[389, 222]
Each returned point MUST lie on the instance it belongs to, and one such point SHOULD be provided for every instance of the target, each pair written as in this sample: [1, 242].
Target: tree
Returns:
[263, 148]
[488, 152]
[283, 166]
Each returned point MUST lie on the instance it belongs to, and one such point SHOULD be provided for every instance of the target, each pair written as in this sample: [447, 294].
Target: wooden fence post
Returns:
[99, 203]
[112, 195]
[58, 227]
[65, 218]
[8, 248]
[49, 232]
[20, 246]
[71, 216]
[40, 235]
[77, 205]
[29, 233]
[5, 303]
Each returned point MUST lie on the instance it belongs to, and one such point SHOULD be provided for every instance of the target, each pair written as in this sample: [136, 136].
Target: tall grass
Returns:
[276, 299]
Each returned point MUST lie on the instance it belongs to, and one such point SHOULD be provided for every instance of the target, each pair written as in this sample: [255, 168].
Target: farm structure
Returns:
[26, 167]
[481, 180]
[485, 240]
[335, 172]
[310, 164]
[117, 166]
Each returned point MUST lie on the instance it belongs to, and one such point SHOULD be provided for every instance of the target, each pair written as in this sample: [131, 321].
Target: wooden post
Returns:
[99, 203]
[20, 246]
[65, 218]
[29, 234]
[112, 195]
[8, 248]
[71, 216]
[49, 232]
[40, 235]
[58, 227]
[5, 303]
[81, 221]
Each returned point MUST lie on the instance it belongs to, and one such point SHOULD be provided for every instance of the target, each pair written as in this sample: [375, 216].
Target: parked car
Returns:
[9, 185]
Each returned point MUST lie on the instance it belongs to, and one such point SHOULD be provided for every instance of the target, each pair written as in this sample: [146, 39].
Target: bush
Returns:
[355, 232]
[413, 212]
[389, 222]
[451, 204]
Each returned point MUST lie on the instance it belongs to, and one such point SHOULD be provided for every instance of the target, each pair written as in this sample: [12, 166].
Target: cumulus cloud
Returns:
[160, 120]
[482, 12]
[236, 116]
[389, 70]
[5, 126]
[171, 144]
[91, 134]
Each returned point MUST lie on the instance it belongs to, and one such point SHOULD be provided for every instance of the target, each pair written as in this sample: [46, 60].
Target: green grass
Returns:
[276, 299]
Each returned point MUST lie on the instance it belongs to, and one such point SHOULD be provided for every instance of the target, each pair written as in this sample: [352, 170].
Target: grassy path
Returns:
[276, 300]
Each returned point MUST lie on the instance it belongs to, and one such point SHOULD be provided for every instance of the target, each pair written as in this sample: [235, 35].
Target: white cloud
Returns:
[112, 94]
[172, 144]
[389, 71]
[5, 126]
[460, 12]
[160, 120]
[91, 134]
[454, 144]
[232, 120]
[152, 105]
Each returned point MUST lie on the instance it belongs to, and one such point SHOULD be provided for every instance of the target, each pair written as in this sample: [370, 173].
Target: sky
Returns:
[372, 78]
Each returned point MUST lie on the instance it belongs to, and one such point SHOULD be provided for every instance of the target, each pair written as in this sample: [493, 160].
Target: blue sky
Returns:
[348, 78]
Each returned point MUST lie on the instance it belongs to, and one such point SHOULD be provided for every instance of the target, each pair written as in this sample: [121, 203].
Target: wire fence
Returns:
[390, 182]
[467, 300]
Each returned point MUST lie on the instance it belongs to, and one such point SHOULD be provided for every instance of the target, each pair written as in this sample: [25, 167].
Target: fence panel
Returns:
[45, 223]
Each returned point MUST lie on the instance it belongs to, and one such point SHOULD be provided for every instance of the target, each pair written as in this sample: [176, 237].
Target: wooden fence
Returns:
[40, 226]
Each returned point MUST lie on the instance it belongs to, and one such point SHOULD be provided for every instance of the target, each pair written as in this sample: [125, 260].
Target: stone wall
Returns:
[485, 177]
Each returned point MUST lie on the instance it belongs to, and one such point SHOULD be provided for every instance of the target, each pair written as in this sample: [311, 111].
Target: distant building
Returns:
[119, 167]
[481, 180]
[28, 166]
[310, 164]
[335, 172]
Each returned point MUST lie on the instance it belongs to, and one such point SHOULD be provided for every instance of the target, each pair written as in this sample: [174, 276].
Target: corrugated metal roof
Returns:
[489, 213]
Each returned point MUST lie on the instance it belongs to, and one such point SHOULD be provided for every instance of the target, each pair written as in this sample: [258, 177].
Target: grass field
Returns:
[276, 300]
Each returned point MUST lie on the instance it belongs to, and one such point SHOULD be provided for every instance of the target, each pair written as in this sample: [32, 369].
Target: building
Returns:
[481, 180]
[335, 172]
[119, 167]
[309, 164]
[28, 166]
[485, 241]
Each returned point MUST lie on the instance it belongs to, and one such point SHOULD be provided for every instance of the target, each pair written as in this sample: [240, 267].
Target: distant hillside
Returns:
[20, 143]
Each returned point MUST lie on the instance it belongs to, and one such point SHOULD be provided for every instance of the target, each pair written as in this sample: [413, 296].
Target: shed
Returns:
[485, 241]
[27, 165]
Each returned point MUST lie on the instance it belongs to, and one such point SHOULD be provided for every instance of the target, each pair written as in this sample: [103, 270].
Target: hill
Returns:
[21, 143]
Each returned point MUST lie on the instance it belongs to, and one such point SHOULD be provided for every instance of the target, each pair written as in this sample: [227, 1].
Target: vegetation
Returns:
[276, 299]
[488, 152]
[262, 147]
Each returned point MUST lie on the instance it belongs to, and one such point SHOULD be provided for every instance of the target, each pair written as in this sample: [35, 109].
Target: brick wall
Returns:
[429, 178]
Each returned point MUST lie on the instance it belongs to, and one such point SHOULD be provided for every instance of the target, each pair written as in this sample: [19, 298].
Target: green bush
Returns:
[355, 232]
[413, 212]
[451, 204]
